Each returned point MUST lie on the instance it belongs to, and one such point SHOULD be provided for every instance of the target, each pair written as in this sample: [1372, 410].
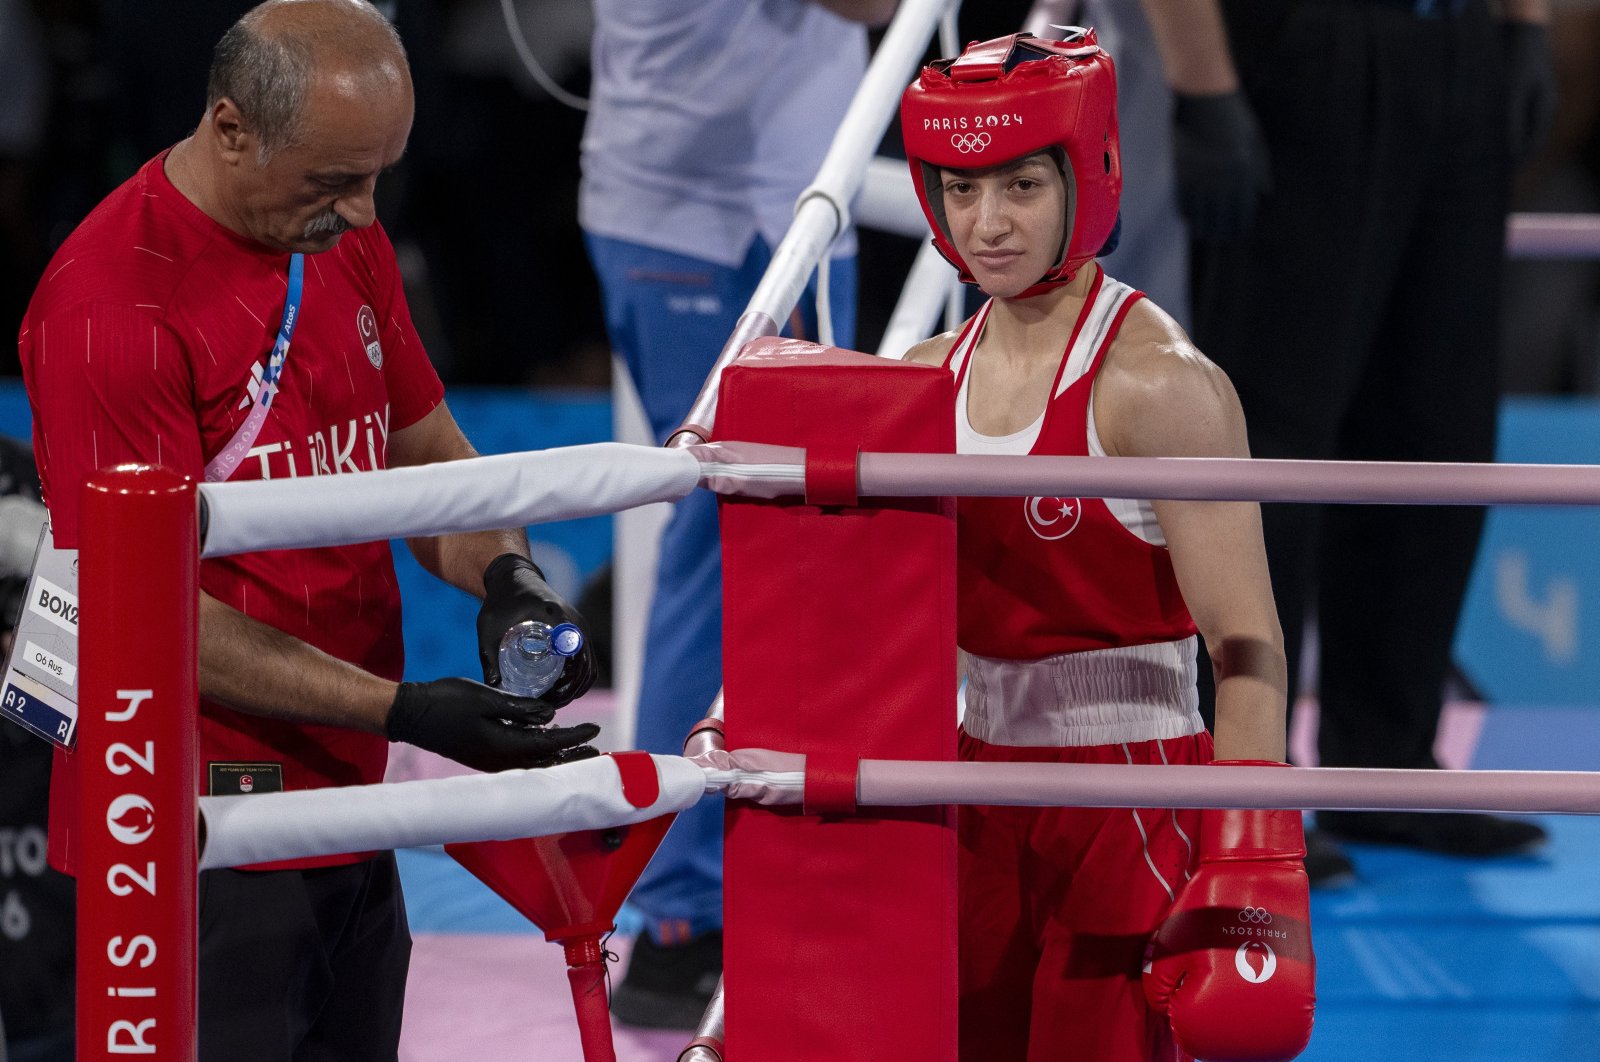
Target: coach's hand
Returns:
[515, 590]
[484, 728]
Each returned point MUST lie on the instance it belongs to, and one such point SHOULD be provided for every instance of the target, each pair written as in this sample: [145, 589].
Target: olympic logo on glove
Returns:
[969, 142]
[1259, 916]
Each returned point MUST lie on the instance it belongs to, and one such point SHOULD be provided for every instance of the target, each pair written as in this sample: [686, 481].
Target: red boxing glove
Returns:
[1232, 967]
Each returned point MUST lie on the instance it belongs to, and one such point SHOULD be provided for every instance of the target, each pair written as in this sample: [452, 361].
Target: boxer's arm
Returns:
[1227, 996]
[1159, 397]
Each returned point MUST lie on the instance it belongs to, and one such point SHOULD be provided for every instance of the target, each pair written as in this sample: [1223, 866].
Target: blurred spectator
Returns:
[489, 195]
[36, 903]
[1152, 252]
[493, 262]
[1551, 331]
[157, 57]
[24, 104]
[708, 120]
[1348, 191]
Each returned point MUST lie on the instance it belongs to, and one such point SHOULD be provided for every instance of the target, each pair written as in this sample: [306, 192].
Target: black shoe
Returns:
[1452, 832]
[1326, 864]
[668, 986]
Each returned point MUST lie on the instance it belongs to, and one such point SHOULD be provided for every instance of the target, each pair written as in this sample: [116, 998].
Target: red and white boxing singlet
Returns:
[1079, 651]
[1069, 609]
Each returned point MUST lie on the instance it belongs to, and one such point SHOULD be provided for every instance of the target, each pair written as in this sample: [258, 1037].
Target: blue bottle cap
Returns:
[566, 639]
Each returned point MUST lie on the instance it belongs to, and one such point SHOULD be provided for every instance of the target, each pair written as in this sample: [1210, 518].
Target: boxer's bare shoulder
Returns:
[932, 351]
[1157, 394]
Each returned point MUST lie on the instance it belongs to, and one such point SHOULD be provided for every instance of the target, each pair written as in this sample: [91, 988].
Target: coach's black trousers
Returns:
[303, 965]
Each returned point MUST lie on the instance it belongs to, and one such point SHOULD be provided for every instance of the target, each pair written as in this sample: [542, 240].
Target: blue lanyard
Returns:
[220, 467]
[291, 313]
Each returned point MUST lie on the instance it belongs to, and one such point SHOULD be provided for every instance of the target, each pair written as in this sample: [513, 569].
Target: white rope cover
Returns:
[506, 490]
[242, 830]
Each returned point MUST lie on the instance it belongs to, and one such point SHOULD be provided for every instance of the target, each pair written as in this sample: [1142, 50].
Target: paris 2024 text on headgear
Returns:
[1004, 99]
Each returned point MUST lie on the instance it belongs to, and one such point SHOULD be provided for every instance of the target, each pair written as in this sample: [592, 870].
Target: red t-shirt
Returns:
[145, 341]
[1040, 576]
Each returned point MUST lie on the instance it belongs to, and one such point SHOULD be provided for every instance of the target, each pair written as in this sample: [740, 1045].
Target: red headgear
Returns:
[1007, 98]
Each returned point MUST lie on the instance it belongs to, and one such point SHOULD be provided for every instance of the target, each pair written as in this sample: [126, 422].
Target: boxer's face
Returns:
[1007, 221]
[311, 191]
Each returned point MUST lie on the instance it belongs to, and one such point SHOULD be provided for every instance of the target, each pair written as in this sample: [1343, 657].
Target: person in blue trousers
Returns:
[708, 119]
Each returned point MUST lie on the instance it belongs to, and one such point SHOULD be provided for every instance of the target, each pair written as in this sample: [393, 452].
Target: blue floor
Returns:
[1424, 957]
[1429, 957]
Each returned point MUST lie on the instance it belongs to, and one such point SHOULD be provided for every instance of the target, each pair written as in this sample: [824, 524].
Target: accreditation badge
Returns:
[40, 690]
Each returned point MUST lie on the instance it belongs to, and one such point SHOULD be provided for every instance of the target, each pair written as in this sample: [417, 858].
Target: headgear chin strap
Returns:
[1003, 99]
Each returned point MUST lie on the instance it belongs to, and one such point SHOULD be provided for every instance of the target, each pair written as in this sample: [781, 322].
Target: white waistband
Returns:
[1099, 697]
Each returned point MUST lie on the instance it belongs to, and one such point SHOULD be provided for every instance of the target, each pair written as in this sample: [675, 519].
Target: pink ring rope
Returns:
[1232, 479]
[1553, 236]
[905, 782]
[768, 471]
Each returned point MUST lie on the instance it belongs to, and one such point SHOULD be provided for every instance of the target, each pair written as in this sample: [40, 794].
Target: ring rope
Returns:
[767, 471]
[596, 479]
[1553, 236]
[587, 795]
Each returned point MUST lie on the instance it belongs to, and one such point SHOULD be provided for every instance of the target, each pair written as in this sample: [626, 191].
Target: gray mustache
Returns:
[328, 223]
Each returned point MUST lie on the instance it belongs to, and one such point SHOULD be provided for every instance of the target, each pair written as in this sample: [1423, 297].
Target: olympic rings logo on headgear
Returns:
[969, 142]
[1255, 915]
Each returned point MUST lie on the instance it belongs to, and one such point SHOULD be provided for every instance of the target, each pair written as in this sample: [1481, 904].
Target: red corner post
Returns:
[839, 643]
[136, 756]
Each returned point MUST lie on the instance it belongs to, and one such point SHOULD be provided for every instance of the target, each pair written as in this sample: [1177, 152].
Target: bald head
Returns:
[267, 62]
[310, 101]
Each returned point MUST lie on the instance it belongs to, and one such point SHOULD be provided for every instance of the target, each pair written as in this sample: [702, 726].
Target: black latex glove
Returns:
[1530, 86]
[515, 590]
[1220, 163]
[483, 727]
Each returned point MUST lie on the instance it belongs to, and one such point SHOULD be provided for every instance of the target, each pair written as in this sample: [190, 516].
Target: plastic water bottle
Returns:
[533, 655]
